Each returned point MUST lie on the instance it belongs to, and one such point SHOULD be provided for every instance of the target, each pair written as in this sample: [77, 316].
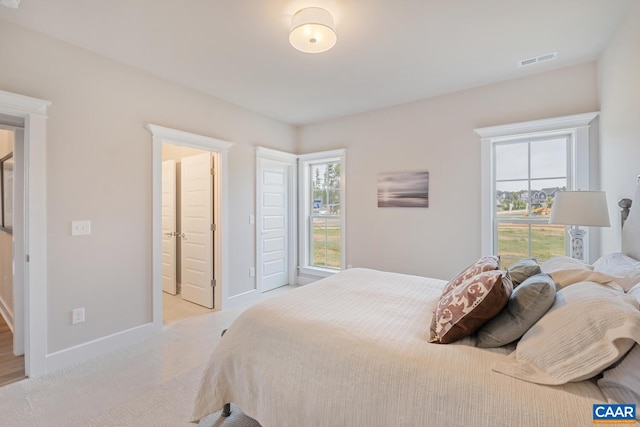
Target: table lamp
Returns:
[579, 208]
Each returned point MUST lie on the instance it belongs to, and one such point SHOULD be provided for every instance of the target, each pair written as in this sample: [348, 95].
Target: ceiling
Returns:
[388, 52]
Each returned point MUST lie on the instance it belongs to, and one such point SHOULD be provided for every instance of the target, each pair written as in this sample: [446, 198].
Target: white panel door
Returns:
[169, 269]
[273, 268]
[196, 219]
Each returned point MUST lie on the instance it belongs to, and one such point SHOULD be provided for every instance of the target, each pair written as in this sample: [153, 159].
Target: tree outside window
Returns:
[325, 218]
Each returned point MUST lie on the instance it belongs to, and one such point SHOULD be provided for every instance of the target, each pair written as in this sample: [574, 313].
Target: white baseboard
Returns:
[89, 350]
[244, 298]
[6, 314]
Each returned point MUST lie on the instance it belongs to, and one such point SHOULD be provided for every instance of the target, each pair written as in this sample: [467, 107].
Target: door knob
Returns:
[168, 234]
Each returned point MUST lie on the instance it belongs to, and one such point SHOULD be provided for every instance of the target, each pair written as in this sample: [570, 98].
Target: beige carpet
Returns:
[236, 419]
[169, 405]
[152, 383]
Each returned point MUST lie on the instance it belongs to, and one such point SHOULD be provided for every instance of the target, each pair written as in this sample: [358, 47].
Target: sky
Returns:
[548, 160]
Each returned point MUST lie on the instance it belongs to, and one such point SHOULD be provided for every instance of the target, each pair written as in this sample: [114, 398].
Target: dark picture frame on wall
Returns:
[6, 192]
[403, 190]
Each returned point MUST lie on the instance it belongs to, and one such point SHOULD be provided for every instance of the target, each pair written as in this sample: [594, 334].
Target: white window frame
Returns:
[304, 179]
[575, 127]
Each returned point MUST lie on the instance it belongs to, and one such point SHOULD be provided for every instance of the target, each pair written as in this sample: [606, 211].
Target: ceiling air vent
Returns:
[538, 59]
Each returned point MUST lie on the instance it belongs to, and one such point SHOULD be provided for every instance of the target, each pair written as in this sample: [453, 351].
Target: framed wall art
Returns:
[403, 190]
[6, 191]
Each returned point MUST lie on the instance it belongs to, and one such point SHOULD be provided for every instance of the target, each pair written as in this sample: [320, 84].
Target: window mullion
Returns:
[529, 191]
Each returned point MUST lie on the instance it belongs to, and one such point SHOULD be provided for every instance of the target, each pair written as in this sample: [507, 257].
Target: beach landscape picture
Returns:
[403, 190]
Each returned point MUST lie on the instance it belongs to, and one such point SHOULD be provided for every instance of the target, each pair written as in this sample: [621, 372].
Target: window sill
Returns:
[317, 271]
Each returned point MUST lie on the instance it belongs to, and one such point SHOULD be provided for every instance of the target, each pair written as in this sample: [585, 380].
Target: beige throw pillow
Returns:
[564, 278]
[588, 328]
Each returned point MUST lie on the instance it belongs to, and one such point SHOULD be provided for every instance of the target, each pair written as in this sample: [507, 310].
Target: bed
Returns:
[355, 350]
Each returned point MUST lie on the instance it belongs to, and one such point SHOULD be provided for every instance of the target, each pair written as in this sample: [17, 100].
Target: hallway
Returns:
[11, 367]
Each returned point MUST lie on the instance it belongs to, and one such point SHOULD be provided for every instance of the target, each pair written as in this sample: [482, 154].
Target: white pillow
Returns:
[588, 328]
[564, 263]
[635, 292]
[618, 264]
[621, 384]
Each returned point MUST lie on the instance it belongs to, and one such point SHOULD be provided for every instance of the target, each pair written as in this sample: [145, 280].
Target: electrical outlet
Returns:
[252, 272]
[80, 228]
[77, 315]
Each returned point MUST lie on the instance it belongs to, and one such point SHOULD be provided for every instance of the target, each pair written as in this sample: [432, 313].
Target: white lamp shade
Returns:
[312, 30]
[588, 208]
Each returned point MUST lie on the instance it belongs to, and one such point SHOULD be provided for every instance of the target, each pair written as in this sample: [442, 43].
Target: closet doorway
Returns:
[219, 149]
[188, 228]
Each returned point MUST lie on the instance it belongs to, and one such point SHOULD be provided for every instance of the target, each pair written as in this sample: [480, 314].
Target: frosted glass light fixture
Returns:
[12, 4]
[312, 30]
[588, 208]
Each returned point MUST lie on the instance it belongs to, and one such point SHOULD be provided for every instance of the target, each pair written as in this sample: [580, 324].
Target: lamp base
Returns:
[577, 244]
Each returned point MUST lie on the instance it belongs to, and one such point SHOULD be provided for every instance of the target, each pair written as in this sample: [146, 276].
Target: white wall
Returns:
[435, 135]
[619, 84]
[6, 246]
[99, 169]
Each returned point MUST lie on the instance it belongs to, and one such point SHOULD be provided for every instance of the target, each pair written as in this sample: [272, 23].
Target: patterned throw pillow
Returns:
[466, 307]
[485, 263]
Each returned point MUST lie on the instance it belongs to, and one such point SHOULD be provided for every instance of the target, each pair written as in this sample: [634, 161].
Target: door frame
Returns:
[30, 232]
[291, 185]
[162, 135]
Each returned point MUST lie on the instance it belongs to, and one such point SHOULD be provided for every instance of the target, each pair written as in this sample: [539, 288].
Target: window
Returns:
[523, 166]
[527, 175]
[325, 233]
[322, 210]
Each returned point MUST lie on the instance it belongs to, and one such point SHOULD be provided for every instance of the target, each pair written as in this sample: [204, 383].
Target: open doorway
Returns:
[11, 344]
[27, 116]
[187, 232]
[217, 281]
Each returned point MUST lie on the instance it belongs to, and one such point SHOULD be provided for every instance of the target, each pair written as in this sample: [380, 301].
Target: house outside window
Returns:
[524, 165]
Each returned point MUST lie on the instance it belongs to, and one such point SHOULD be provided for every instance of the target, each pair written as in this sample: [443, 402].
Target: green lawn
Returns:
[546, 241]
[326, 242]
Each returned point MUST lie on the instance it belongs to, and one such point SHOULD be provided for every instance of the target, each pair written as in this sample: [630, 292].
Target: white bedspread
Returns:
[352, 350]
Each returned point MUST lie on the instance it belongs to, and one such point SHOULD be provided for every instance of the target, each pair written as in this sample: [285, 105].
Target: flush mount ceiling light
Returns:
[13, 4]
[312, 30]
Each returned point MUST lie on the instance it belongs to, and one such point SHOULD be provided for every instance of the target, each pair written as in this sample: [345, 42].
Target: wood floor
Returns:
[11, 367]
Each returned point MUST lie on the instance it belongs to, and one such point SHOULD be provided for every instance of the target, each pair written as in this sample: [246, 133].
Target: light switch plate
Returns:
[80, 228]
